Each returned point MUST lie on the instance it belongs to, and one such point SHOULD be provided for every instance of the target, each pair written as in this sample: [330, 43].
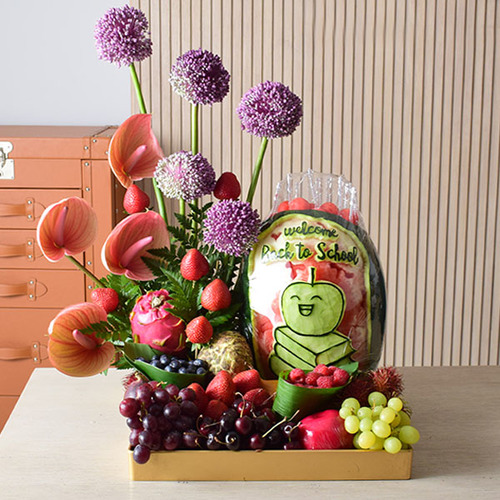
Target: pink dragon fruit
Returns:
[153, 324]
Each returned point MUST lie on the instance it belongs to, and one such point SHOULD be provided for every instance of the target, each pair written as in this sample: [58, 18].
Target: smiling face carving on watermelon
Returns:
[313, 276]
[312, 310]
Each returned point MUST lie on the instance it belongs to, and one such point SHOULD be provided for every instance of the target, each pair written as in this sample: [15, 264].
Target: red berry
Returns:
[222, 387]
[215, 409]
[340, 377]
[201, 398]
[325, 382]
[332, 370]
[258, 397]
[135, 200]
[296, 376]
[107, 298]
[312, 378]
[322, 370]
[227, 187]
[299, 204]
[350, 215]
[216, 296]
[246, 380]
[199, 330]
[283, 207]
[194, 265]
[329, 207]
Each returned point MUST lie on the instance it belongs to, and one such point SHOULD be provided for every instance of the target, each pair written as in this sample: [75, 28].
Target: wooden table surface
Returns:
[66, 439]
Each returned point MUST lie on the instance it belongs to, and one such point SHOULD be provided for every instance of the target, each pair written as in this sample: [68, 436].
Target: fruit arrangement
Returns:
[241, 334]
[237, 413]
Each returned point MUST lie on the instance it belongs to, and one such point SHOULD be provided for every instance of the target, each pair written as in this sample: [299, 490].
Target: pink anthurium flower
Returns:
[67, 227]
[73, 352]
[130, 240]
[134, 151]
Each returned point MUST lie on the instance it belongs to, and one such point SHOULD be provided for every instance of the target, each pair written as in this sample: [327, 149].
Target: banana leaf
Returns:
[291, 398]
[134, 350]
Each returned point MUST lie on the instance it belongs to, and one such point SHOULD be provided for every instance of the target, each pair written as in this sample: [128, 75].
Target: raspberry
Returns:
[340, 377]
[322, 370]
[296, 376]
[325, 382]
[312, 379]
[332, 369]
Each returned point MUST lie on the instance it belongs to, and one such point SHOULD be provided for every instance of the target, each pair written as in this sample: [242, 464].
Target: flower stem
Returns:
[82, 268]
[256, 169]
[142, 108]
[194, 128]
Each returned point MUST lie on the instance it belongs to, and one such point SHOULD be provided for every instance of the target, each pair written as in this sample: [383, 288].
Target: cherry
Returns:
[243, 425]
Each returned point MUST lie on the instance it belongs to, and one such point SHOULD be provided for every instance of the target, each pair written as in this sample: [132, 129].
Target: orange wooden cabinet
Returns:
[39, 166]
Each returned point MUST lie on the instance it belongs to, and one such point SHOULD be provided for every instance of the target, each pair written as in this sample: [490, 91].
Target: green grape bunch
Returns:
[384, 425]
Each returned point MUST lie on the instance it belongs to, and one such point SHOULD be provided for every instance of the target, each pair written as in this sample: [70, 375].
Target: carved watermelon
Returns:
[314, 293]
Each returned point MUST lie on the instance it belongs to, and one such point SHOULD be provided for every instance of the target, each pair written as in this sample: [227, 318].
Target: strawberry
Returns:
[299, 204]
[199, 330]
[312, 378]
[325, 382]
[322, 370]
[227, 187]
[296, 376]
[216, 296]
[340, 377]
[247, 380]
[350, 215]
[107, 298]
[194, 265]
[283, 206]
[222, 387]
[329, 207]
[135, 200]
[201, 398]
[258, 397]
[215, 409]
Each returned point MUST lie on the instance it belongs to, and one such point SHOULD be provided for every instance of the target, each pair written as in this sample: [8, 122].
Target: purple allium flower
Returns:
[231, 226]
[122, 36]
[200, 77]
[270, 110]
[184, 175]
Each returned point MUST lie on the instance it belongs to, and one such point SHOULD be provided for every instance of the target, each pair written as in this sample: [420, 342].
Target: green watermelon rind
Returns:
[377, 302]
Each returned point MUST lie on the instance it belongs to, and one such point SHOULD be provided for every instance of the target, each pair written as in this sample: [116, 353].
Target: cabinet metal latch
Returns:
[6, 164]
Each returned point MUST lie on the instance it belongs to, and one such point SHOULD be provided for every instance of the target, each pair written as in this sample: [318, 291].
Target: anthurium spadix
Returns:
[67, 227]
[130, 240]
[73, 352]
[134, 150]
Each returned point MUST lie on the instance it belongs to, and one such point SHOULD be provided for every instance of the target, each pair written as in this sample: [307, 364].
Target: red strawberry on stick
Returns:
[135, 200]
[194, 265]
[199, 330]
[216, 296]
[227, 187]
[107, 298]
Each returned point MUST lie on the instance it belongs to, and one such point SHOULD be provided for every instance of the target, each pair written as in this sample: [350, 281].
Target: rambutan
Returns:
[359, 388]
[388, 381]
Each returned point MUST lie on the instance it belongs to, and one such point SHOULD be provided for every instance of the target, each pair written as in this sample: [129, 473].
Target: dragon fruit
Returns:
[153, 324]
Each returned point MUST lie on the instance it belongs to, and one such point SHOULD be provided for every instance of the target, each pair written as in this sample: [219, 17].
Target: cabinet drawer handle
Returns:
[16, 289]
[22, 250]
[17, 353]
[10, 210]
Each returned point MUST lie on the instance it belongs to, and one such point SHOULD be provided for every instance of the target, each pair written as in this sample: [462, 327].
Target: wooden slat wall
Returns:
[403, 98]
